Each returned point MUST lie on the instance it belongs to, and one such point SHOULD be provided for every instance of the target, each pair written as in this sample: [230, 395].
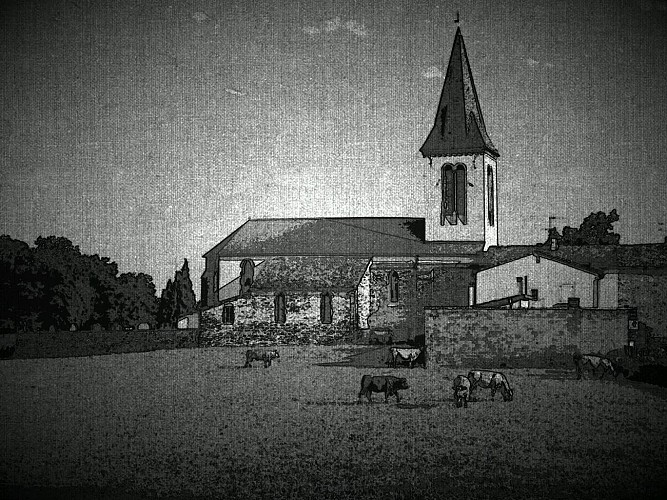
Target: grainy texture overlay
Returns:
[194, 423]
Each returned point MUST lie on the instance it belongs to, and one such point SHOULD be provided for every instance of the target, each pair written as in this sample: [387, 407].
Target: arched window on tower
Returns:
[491, 196]
[280, 314]
[393, 286]
[454, 184]
[325, 308]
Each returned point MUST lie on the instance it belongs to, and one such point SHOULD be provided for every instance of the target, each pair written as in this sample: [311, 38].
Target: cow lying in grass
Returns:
[387, 384]
[461, 389]
[495, 381]
[409, 354]
[260, 355]
[591, 362]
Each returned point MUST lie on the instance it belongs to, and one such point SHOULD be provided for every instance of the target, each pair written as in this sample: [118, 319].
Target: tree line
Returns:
[52, 285]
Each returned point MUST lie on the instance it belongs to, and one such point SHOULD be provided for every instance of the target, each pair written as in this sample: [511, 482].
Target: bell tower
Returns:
[461, 184]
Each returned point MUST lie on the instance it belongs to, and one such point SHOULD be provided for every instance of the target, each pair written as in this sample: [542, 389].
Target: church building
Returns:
[373, 278]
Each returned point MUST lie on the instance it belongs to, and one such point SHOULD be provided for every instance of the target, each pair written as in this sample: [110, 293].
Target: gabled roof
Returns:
[604, 258]
[363, 236]
[310, 273]
[554, 258]
[459, 126]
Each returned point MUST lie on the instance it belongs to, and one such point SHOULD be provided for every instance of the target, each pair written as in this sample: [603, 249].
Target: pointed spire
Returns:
[459, 126]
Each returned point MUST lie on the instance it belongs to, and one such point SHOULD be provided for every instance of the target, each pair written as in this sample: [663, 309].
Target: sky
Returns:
[147, 131]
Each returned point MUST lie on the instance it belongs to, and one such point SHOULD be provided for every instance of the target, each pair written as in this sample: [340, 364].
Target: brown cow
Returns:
[260, 355]
[385, 383]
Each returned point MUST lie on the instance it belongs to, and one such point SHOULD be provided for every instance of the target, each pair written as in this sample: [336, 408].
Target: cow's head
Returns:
[508, 394]
[401, 383]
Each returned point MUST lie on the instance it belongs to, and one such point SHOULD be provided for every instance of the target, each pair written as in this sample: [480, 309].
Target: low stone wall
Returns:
[73, 344]
[520, 337]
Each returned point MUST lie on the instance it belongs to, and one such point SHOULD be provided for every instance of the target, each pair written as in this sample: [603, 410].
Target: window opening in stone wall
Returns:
[326, 311]
[279, 309]
[228, 314]
[393, 286]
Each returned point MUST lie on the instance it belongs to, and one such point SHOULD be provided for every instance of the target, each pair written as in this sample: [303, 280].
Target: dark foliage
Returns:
[596, 229]
[54, 285]
[177, 298]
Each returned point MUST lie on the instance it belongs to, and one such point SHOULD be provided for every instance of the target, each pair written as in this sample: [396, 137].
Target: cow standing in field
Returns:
[488, 379]
[592, 362]
[410, 355]
[461, 389]
[385, 383]
[260, 355]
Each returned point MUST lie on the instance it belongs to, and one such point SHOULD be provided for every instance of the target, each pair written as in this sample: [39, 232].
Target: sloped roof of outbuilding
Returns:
[605, 258]
[355, 236]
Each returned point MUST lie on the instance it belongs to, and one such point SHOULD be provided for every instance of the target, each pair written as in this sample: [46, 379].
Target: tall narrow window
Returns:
[393, 286]
[247, 275]
[461, 189]
[228, 314]
[491, 196]
[325, 308]
[204, 290]
[454, 194]
[279, 308]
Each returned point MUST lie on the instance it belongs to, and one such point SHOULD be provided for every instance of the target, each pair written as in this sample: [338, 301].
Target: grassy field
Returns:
[193, 423]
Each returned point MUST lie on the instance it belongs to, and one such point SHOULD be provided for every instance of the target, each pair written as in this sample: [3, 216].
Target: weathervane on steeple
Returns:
[457, 17]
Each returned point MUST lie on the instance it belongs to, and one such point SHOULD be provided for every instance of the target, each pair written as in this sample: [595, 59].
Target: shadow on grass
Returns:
[554, 374]
[364, 357]
[330, 403]
[418, 406]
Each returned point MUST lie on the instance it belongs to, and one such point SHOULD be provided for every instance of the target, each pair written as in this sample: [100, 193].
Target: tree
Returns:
[177, 298]
[134, 300]
[24, 287]
[596, 229]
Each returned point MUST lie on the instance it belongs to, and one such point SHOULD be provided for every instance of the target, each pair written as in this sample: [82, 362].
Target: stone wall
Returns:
[83, 343]
[520, 337]
[254, 321]
[396, 319]
[648, 293]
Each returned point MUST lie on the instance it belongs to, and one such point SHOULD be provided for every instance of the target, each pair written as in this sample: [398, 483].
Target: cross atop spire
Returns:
[459, 126]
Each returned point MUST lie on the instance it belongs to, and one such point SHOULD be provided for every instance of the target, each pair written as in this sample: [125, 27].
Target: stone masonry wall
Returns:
[254, 321]
[520, 337]
[648, 293]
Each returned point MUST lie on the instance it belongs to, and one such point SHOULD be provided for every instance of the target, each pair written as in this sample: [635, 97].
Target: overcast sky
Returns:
[147, 131]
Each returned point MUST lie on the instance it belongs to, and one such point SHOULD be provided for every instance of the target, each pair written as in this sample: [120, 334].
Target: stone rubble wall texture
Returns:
[254, 321]
[513, 337]
[648, 293]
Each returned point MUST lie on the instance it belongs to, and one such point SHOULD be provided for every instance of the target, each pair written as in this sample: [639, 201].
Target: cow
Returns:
[488, 379]
[461, 389]
[592, 362]
[260, 355]
[384, 383]
[409, 354]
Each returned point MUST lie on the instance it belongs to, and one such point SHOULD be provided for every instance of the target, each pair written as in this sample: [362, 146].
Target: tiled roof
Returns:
[459, 126]
[604, 258]
[363, 236]
[310, 273]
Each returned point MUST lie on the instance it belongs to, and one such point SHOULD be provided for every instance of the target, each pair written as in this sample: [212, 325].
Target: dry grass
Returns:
[192, 422]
